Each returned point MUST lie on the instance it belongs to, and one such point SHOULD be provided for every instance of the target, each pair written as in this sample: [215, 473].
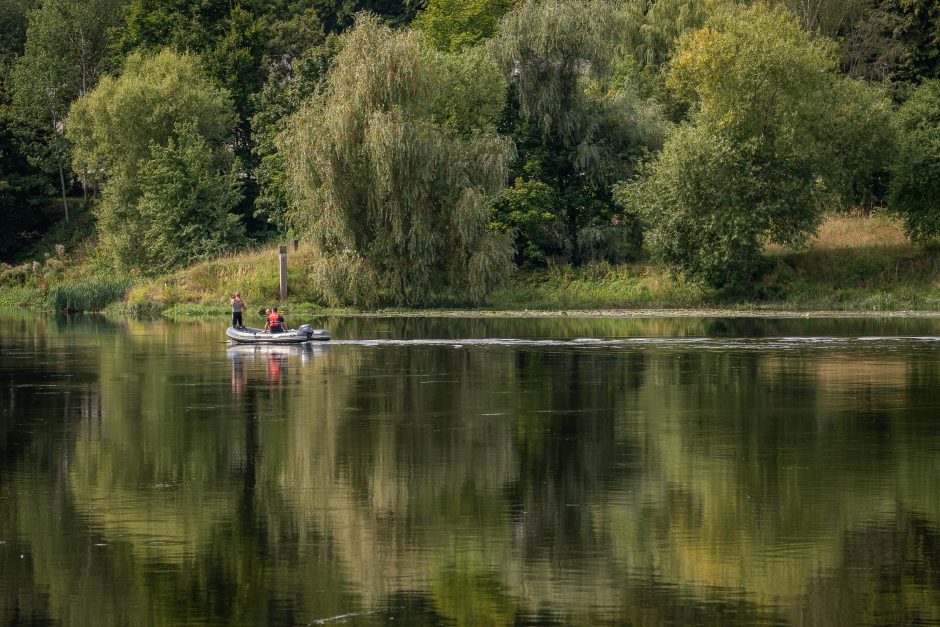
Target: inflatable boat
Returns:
[248, 335]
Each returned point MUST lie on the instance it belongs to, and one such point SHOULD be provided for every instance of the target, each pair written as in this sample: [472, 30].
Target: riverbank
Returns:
[858, 265]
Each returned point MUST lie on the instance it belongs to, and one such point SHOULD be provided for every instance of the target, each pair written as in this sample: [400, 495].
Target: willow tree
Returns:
[577, 128]
[389, 172]
[652, 26]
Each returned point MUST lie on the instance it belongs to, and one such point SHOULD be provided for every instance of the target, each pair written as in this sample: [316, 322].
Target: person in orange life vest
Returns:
[275, 322]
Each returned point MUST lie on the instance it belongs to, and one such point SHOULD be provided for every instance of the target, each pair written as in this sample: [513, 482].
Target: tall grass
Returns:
[88, 295]
[860, 262]
[598, 286]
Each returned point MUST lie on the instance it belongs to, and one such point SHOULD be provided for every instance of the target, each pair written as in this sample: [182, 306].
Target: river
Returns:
[431, 471]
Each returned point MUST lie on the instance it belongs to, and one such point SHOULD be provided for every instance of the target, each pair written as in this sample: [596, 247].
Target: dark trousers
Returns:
[237, 319]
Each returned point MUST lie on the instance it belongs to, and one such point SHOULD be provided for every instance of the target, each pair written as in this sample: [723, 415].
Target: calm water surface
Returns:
[466, 472]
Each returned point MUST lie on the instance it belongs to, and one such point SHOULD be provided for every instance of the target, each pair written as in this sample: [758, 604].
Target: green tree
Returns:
[338, 15]
[298, 57]
[528, 211]
[713, 200]
[919, 35]
[652, 26]
[456, 24]
[758, 156]
[228, 37]
[394, 197]
[915, 186]
[66, 52]
[117, 132]
[112, 128]
[186, 203]
[13, 29]
[19, 181]
[575, 128]
[861, 142]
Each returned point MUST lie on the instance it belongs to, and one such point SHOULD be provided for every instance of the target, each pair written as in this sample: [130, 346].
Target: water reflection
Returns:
[276, 358]
[151, 474]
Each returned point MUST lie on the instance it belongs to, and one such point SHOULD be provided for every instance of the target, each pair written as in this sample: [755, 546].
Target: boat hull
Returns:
[248, 335]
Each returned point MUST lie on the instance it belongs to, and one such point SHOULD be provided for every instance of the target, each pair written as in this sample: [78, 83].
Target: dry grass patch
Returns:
[253, 273]
[860, 230]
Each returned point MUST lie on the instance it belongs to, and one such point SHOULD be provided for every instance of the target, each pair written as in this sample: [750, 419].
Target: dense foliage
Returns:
[578, 129]
[915, 187]
[455, 24]
[723, 126]
[757, 158]
[66, 52]
[390, 169]
[156, 135]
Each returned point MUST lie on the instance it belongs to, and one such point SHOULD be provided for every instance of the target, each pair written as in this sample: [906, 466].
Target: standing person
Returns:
[237, 306]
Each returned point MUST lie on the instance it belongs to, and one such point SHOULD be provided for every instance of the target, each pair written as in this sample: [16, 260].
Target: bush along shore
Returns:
[857, 263]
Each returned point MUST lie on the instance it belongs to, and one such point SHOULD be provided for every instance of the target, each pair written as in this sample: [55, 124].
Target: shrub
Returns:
[713, 202]
[915, 186]
[90, 295]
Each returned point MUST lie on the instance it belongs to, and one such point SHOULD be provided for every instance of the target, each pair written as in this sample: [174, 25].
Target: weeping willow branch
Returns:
[394, 199]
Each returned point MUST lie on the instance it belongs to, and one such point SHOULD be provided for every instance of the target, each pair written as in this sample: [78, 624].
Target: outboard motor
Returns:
[306, 329]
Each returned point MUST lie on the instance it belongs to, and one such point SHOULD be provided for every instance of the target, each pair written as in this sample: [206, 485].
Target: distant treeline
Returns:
[429, 146]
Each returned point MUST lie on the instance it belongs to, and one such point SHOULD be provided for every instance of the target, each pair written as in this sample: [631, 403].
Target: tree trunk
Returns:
[65, 202]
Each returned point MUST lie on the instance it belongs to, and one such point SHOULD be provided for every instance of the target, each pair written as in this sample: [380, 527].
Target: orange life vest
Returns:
[274, 321]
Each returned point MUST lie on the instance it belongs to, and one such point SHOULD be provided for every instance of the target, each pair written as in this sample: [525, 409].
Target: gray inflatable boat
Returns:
[248, 335]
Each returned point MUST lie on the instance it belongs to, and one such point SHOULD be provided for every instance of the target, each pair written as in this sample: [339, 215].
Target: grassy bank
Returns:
[856, 263]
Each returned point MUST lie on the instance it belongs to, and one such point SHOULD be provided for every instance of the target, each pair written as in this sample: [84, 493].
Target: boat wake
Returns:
[666, 343]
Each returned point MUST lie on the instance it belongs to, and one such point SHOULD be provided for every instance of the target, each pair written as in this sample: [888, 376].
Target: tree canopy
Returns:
[577, 128]
[755, 161]
[394, 196]
[127, 133]
[915, 187]
[461, 136]
[66, 52]
[456, 24]
[113, 127]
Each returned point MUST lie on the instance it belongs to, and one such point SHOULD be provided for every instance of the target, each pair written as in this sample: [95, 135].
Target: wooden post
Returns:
[295, 243]
[283, 272]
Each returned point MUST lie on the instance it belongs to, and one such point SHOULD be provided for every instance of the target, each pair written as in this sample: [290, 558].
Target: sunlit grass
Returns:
[859, 230]
[210, 284]
[860, 261]
[857, 262]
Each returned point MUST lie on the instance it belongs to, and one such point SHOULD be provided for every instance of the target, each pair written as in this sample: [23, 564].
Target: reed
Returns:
[88, 295]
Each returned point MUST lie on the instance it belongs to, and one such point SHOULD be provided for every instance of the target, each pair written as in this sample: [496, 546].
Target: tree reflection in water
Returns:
[151, 475]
